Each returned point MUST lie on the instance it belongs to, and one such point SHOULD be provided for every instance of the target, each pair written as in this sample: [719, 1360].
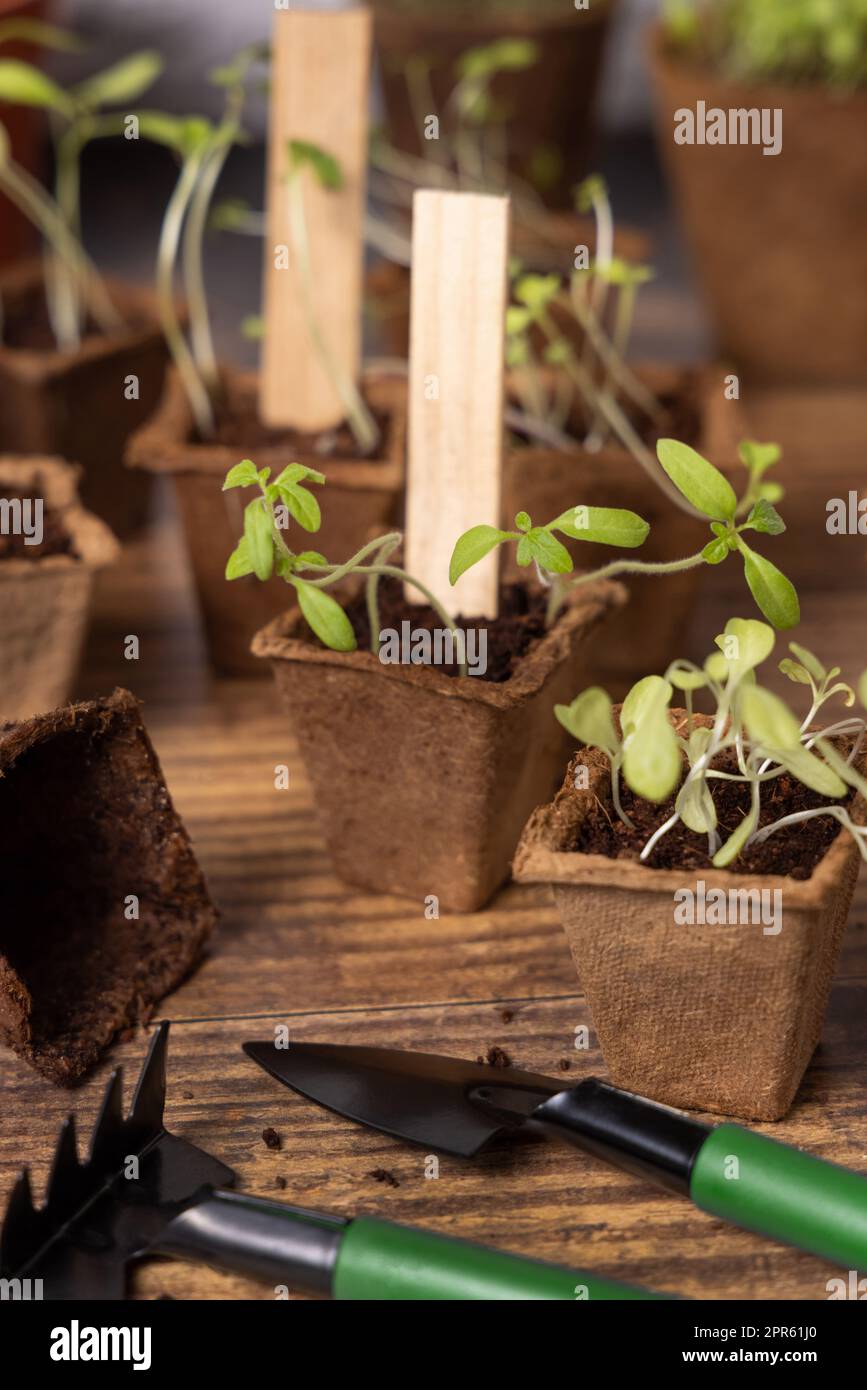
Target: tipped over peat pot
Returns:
[46, 589]
[550, 105]
[86, 820]
[423, 780]
[361, 495]
[75, 403]
[777, 240]
[546, 482]
[717, 1017]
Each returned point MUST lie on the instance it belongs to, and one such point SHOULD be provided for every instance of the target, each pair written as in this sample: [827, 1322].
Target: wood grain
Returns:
[319, 93]
[460, 244]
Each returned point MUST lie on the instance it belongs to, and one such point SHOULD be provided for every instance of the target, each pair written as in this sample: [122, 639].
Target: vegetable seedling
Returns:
[757, 727]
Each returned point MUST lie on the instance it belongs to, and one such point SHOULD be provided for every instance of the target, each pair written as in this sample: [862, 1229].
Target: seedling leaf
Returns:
[774, 594]
[697, 479]
[259, 537]
[239, 563]
[473, 546]
[122, 82]
[244, 474]
[21, 84]
[603, 526]
[302, 154]
[325, 616]
[302, 505]
[589, 719]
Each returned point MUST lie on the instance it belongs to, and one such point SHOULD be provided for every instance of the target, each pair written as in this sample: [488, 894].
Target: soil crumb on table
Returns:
[384, 1175]
[272, 1138]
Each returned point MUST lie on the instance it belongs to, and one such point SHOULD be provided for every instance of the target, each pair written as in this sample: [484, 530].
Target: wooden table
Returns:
[298, 947]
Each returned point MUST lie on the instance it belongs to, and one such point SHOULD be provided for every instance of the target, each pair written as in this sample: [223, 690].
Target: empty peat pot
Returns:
[103, 908]
[705, 1016]
[81, 404]
[360, 496]
[546, 482]
[45, 589]
[423, 780]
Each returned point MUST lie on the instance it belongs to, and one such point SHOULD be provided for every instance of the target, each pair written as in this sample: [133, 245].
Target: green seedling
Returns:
[77, 115]
[263, 551]
[823, 41]
[765, 737]
[707, 491]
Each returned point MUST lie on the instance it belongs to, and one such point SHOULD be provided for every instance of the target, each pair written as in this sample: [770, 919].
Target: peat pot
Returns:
[423, 780]
[45, 597]
[704, 1017]
[361, 496]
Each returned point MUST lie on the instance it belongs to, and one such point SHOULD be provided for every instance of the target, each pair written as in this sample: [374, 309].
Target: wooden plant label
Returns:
[319, 91]
[458, 307]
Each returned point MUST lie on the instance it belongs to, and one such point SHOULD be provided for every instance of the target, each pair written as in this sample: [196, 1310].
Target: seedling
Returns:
[77, 116]
[765, 736]
[263, 551]
[706, 490]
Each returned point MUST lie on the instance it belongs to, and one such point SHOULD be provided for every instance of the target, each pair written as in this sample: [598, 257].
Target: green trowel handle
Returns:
[784, 1193]
[378, 1260]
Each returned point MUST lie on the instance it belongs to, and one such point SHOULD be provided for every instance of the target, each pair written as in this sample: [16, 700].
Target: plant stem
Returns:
[61, 287]
[619, 341]
[201, 339]
[167, 252]
[639, 567]
[361, 422]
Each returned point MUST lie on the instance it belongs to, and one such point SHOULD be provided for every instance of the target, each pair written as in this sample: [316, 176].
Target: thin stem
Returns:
[201, 338]
[858, 832]
[619, 342]
[61, 287]
[639, 567]
[625, 378]
[615, 792]
[167, 252]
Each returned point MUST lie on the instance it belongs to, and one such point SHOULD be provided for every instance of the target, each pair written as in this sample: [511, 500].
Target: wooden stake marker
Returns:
[457, 331]
[319, 92]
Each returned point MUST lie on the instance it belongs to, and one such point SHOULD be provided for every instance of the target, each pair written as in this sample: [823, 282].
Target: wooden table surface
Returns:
[296, 946]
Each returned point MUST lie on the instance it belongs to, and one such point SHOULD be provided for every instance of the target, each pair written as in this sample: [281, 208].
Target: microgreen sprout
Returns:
[758, 728]
[264, 551]
[707, 491]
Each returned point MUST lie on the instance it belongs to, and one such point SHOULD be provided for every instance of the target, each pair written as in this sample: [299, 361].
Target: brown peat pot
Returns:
[778, 241]
[423, 780]
[546, 482]
[103, 908]
[45, 591]
[723, 1018]
[551, 104]
[74, 404]
[361, 495]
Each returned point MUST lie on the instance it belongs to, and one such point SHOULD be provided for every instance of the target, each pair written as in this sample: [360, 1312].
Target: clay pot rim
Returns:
[95, 544]
[664, 58]
[40, 364]
[508, 22]
[163, 444]
[19, 736]
[539, 860]
[584, 607]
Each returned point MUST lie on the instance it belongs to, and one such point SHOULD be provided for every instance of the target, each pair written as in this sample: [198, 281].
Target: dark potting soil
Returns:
[56, 540]
[681, 419]
[795, 851]
[510, 636]
[239, 427]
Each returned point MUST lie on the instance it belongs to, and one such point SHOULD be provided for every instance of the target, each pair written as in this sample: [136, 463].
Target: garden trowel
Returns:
[458, 1107]
[144, 1191]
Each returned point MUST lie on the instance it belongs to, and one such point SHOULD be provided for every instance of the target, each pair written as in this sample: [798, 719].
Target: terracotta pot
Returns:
[552, 103]
[25, 127]
[73, 403]
[778, 241]
[423, 780]
[718, 1018]
[45, 602]
[545, 482]
[86, 820]
[361, 495]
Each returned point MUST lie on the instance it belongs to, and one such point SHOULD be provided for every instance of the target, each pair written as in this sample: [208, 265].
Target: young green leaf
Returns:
[844, 770]
[715, 551]
[294, 472]
[774, 594]
[589, 719]
[125, 81]
[518, 319]
[43, 35]
[744, 644]
[244, 474]
[258, 533]
[695, 806]
[21, 84]
[537, 291]
[538, 544]
[239, 563]
[812, 663]
[768, 719]
[325, 616]
[810, 770]
[736, 841]
[324, 166]
[523, 521]
[603, 526]
[758, 458]
[795, 671]
[652, 763]
[765, 519]
[473, 546]
[700, 483]
[502, 55]
[684, 677]
[302, 505]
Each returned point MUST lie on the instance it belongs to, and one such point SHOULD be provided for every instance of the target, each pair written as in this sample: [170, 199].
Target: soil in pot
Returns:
[75, 403]
[546, 482]
[423, 779]
[86, 821]
[715, 1009]
[46, 589]
[361, 496]
[780, 282]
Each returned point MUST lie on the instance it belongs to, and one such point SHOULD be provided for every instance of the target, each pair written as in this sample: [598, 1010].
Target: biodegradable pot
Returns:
[718, 1018]
[778, 241]
[45, 601]
[74, 403]
[551, 104]
[422, 780]
[86, 825]
[360, 496]
[546, 482]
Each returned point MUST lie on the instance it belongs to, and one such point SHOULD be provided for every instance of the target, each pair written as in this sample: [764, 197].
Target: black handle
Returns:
[272, 1241]
[625, 1130]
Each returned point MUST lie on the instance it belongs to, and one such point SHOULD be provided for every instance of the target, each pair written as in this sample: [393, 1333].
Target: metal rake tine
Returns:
[108, 1140]
[148, 1103]
[64, 1183]
[23, 1227]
